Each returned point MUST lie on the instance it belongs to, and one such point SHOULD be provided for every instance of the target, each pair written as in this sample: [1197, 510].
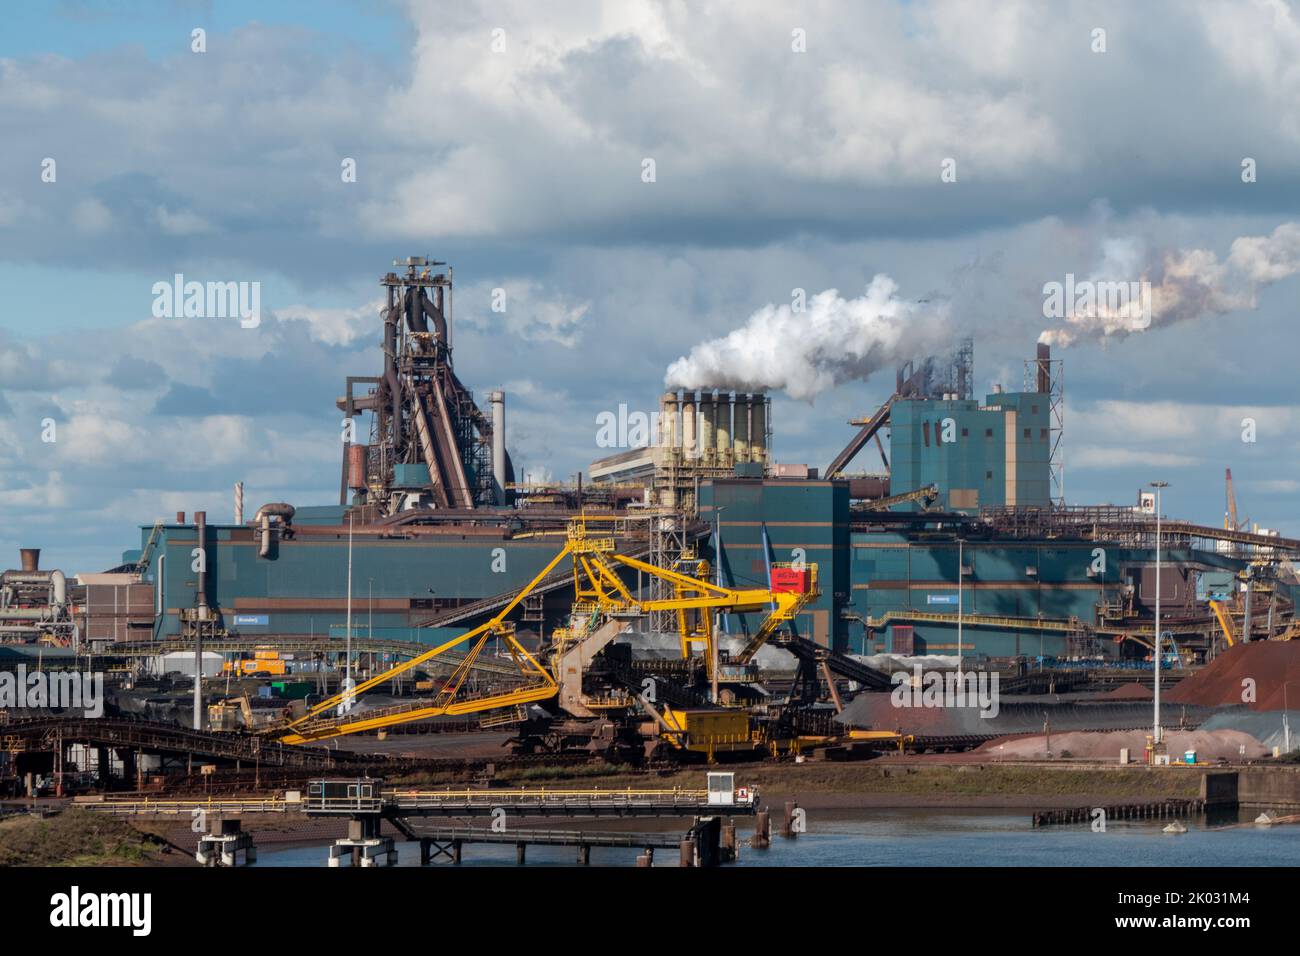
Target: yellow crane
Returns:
[602, 604]
[1224, 621]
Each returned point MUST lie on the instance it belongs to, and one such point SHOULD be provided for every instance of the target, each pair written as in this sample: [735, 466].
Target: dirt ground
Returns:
[912, 782]
[81, 838]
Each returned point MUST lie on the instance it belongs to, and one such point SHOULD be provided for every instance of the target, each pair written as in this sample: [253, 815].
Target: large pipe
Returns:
[497, 399]
[390, 368]
[415, 321]
[262, 520]
[26, 577]
[434, 309]
[30, 558]
[278, 509]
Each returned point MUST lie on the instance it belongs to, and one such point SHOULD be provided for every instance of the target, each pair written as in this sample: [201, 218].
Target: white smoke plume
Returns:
[804, 353]
[1184, 284]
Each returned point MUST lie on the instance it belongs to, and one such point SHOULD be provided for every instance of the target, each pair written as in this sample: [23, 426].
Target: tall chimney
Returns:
[741, 427]
[201, 592]
[668, 422]
[1044, 367]
[758, 436]
[706, 437]
[688, 424]
[239, 502]
[497, 399]
[722, 431]
[30, 558]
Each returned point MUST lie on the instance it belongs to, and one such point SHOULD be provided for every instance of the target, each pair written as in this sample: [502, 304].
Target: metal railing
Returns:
[153, 807]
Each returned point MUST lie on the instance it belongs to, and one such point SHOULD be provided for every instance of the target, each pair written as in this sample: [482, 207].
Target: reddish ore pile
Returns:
[1252, 674]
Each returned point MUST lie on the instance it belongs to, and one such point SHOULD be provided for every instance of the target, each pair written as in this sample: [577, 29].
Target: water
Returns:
[912, 837]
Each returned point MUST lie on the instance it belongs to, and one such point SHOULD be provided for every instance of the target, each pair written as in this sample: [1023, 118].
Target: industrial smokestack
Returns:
[688, 423]
[201, 529]
[497, 400]
[201, 533]
[707, 413]
[239, 502]
[668, 420]
[30, 558]
[741, 427]
[722, 411]
[758, 431]
[1044, 367]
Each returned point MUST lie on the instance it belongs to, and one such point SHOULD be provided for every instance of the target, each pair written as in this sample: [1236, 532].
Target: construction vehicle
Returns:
[253, 667]
[236, 713]
[603, 609]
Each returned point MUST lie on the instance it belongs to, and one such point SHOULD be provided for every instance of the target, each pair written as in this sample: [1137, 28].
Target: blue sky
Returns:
[510, 138]
[80, 28]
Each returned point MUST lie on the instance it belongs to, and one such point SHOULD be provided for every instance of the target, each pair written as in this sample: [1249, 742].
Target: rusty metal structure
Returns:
[429, 443]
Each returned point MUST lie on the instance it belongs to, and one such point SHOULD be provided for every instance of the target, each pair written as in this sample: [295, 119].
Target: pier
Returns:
[1156, 810]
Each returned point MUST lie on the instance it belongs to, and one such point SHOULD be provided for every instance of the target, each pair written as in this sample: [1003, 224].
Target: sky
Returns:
[654, 185]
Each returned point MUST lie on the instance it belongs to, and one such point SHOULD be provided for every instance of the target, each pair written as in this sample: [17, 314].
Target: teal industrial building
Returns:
[888, 578]
[977, 455]
[888, 588]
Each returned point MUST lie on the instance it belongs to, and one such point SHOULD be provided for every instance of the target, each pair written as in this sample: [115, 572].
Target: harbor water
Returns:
[925, 837]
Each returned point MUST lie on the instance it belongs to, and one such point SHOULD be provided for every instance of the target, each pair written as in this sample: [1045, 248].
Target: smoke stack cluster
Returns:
[717, 429]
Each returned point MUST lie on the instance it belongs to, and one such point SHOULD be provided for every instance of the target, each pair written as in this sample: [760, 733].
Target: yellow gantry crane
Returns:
[602, 605]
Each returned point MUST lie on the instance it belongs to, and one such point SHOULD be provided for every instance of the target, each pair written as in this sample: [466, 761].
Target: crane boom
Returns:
[598, 591]
[1230, 518]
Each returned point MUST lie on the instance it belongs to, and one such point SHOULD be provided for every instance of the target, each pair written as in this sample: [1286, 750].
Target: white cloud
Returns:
[340, 326]
[182, 222]
[1107, 457]
[91, 217]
